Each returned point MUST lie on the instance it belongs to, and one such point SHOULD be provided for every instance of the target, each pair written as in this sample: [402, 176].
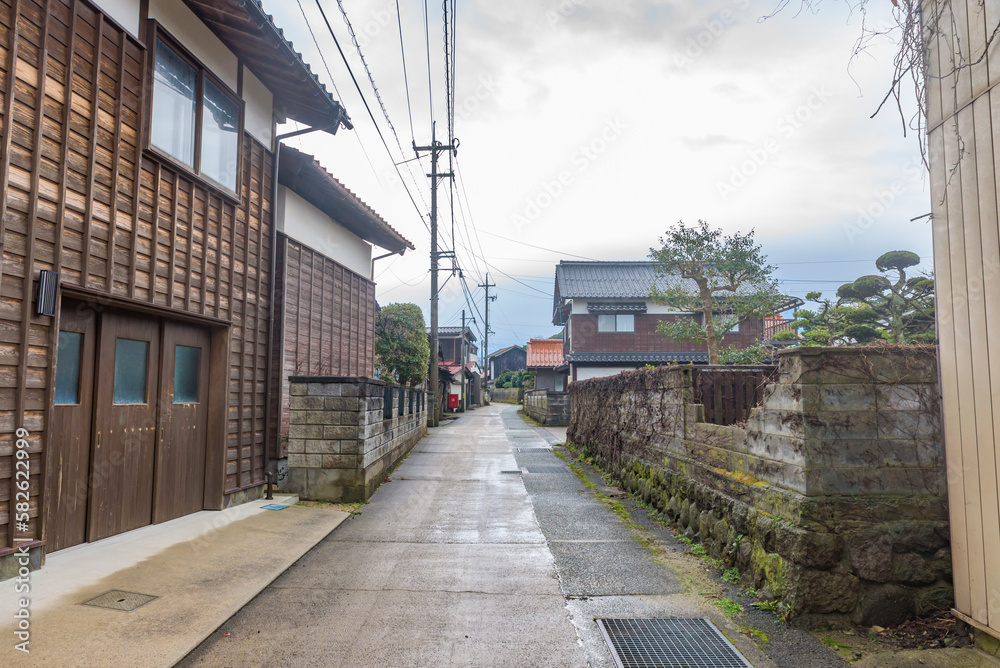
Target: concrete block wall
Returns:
[340, 445]
[548, 407]
[832, 499]
[506, 395]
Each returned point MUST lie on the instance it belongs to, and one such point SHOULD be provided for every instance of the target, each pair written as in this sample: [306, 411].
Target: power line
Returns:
[333, 83]
[427, 39]
[406, 82]
[369, 110]
[551, 250]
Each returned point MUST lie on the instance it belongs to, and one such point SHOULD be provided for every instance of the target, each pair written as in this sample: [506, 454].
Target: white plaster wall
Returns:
[303, 222]
[259, 108]
[188, 29]
[124, 12]
[583, 373]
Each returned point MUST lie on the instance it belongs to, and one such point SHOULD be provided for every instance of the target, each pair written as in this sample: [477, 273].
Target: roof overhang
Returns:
[251, 34]
[302, 173]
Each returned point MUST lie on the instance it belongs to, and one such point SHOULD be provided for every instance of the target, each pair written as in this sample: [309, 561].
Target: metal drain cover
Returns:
[116, 599]
[534, 449]
[669, 643]
[518, 472]
[547, 469]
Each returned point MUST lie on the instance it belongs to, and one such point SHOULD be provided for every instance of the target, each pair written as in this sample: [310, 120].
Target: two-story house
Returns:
[611, 323]
[459, 355]
[324, 323]
[137, 166]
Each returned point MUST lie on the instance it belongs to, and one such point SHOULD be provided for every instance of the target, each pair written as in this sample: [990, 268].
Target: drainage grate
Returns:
[518, 472]
[669, 643]
[547, 469]
[116, 599]
[534, 449]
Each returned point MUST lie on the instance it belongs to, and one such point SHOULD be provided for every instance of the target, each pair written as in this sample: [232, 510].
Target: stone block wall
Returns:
[341, 444]
[547, 407]
[832, 499]
[506, 395]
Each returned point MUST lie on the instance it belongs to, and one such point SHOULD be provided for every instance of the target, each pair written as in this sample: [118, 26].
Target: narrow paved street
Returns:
[483, 550]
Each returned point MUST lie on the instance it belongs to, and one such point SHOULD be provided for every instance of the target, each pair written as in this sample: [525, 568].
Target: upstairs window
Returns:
[620, 322]
[196, 121]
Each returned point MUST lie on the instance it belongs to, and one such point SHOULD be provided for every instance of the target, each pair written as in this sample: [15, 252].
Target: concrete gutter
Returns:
[203, 567]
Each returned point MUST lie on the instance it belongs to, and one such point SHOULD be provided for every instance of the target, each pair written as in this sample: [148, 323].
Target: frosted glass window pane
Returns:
[68, 368]
[605, 323]
[187, 371]
[626, 322]
[220, 121]
[131, 359]
[175, 86]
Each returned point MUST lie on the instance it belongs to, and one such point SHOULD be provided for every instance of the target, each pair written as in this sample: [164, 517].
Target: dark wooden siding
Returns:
[121, 228]
[586, 338]
[328, 327]
[514, 359]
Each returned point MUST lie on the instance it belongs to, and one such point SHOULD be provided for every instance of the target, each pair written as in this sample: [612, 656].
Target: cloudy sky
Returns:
[588, 127]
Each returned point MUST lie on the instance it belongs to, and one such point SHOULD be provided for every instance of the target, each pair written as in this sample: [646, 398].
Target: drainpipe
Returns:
[270, 477]
[382, 257]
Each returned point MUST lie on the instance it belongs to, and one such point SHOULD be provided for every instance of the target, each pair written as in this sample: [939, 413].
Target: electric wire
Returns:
[406, 81]
[335, 89]
[378, 96]
[370, 114]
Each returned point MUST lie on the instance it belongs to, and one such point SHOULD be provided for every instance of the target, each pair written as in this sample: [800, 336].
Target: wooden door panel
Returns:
[182, 438]
[127, 367]
[67, 485]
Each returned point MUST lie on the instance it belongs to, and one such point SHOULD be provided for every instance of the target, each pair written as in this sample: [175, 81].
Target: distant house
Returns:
[545, 358]
[458, 354]
[324, 325]
[511, 358]
[610, 321]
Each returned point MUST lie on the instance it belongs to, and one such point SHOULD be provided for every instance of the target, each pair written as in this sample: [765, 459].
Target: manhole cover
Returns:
[116, 599]
[518, 472]
[669, 643]
[534, 449]
[547, 469]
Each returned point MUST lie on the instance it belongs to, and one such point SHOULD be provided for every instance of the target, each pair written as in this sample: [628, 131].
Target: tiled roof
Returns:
[636, 358]
[453, 331]
[304, 175]
[545, 353]
[617, 280]
[608, 280]
[505, 350]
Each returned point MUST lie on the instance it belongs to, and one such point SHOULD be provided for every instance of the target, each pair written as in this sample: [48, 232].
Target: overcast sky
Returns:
[588, 127]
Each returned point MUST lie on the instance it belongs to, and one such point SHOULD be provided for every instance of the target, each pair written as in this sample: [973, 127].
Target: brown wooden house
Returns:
[325, 305]
[610, 321]
[136, 164]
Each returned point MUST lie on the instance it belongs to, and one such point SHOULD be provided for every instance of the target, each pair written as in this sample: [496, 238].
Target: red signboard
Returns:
[453, 400]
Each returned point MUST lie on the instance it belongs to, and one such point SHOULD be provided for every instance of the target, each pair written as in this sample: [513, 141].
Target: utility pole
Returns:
[486, 335]
[435, 148]
[462, 358]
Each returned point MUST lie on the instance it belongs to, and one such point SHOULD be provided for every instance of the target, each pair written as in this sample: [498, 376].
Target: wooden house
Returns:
[325, 305]
[458, 354]
[137, 166]
[545, 358]
[511, 358]
[610, 320]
